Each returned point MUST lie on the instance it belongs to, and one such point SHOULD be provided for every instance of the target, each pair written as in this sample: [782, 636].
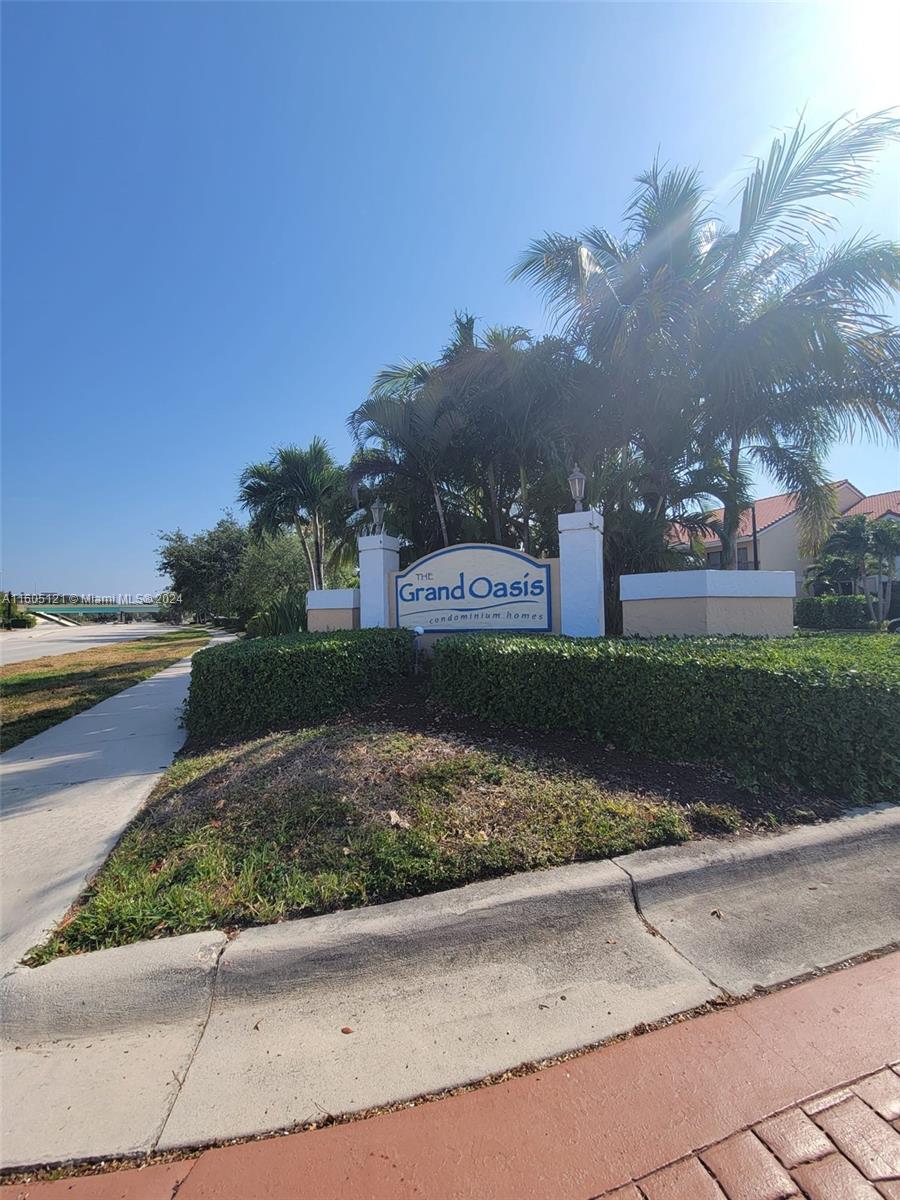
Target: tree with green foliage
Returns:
[203, 567]
[271, 567]
[884, 537]
[519, 392]
[412, 419]
[485, 437]
[307, 491]
[756, 345]
[860, 552]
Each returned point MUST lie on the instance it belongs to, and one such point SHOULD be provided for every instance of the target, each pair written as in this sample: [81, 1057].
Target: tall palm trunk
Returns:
[439, 505]
[491, 477]
[731, 514]
[526, 515]
[318, 549]
[863, 581]
[310, 561]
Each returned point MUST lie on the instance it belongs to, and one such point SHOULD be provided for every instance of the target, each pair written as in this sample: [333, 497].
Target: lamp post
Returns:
[576, 487]
[378, 509]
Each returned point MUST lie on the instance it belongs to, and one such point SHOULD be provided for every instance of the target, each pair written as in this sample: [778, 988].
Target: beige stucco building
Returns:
[777, 541]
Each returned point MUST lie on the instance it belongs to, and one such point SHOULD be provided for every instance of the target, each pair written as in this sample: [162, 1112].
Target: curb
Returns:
[173, 979]
[754, 914]
[380, 941]
[676, 868]
[149, 983]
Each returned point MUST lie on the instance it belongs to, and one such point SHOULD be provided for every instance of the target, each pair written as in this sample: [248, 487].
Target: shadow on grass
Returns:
[89, 676]
[35, 703]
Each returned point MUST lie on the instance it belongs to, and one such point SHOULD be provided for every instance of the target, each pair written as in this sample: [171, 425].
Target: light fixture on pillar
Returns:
[576, 486]
[378, 509]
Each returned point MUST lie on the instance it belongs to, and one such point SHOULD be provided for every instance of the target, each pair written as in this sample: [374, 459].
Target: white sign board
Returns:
[475, 587]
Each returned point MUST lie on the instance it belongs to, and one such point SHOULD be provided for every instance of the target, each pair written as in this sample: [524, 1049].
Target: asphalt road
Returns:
[20, 645]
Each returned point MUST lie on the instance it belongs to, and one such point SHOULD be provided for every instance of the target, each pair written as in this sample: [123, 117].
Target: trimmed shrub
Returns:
[820, 713]
[250, 687]
[832, 612]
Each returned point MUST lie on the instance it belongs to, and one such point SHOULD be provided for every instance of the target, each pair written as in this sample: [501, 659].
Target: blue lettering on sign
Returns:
[480, 588]
[476, 600]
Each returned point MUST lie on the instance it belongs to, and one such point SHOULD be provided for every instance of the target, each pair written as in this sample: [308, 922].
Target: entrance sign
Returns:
[475, 587]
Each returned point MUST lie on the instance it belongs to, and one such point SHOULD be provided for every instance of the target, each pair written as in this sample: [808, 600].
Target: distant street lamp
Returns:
[576, 487]
[378, 510]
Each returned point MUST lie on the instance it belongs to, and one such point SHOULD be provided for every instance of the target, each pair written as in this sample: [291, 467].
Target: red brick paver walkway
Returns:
[789, 1095]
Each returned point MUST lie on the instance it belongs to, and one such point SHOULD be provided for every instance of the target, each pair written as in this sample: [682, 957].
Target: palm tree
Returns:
[857, 551]
[487, 412]
[517, 397]
[304, 490]
[750, 345]
[884, 540]
[830, 573]
[850, 541]
[413, 421]
[639, 536]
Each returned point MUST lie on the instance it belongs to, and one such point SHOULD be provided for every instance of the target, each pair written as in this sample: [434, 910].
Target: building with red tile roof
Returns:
[885, 504]
[776, 545]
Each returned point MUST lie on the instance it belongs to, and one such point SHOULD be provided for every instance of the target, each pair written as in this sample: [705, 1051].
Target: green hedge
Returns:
[816, 712]
[832, 612]
[252, 686]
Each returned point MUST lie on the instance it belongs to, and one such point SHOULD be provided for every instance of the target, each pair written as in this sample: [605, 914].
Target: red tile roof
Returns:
[770, 509]
[876, 506]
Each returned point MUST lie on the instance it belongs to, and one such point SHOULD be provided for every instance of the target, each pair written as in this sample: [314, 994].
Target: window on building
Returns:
[744, 561]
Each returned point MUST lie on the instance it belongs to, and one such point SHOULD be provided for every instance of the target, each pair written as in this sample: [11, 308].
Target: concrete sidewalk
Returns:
[190, 1040]
[68, 793]
[785, 1096]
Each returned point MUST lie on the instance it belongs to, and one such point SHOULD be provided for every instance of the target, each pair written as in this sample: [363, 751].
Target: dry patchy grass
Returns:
[306, 822]
[42, 692]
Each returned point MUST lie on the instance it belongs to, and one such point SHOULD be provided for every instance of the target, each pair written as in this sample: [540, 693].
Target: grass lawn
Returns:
[44, 691]
[304, 822]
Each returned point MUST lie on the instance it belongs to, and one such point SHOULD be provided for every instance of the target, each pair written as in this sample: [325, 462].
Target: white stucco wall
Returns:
[581, 573]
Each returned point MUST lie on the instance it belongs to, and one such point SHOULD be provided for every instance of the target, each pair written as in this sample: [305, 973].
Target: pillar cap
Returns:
[378, 541]
[589, 519]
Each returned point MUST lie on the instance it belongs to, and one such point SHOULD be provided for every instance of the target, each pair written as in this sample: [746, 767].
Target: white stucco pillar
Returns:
[379, 553]
[581, 574]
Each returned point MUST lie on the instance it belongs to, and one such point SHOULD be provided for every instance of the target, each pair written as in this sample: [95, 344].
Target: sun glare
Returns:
[858, 45]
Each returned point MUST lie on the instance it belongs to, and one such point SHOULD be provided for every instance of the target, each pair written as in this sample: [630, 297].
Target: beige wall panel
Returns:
[327, 620]
[767, 616]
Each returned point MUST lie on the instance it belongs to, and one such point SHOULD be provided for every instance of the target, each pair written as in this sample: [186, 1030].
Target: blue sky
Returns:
[219, 220]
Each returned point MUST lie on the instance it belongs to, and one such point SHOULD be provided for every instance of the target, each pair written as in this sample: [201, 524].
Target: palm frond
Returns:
[565, 270]
[861, 274]
[833, 162]
[800, 471]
